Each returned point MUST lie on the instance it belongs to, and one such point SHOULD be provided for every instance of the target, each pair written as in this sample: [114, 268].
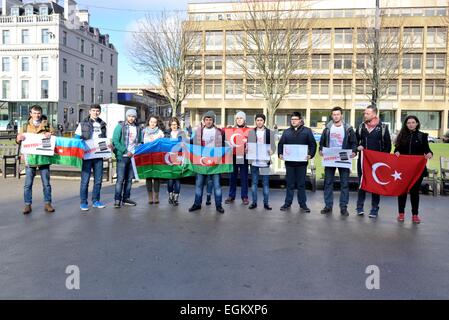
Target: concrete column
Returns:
[398, 118]
[445, 122]
[308, 114]
[223, 117]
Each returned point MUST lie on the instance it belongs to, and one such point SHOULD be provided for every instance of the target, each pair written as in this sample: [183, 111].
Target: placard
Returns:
[97, 148]
[38, 144]
[295, 152]
[337, 158]
[258, 151]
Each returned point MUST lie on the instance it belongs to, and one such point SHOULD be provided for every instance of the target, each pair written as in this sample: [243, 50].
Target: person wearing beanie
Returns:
[240, 165]
[296, 169]
[261, 137]
[207, 135]
[126, 137]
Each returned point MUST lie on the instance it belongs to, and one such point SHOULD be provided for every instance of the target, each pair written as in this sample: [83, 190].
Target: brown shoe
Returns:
[27, 209]
[49, 208]
[245, 201]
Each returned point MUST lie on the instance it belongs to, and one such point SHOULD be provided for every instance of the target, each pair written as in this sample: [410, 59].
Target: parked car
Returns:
[432, 139]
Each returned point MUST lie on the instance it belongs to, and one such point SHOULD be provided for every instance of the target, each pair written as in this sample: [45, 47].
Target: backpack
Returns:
[384, 128]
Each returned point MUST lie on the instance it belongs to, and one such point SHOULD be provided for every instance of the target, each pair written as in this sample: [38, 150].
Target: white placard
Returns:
[295, 152]
[258, 151]
[38, 144]
[337, 158]
[97, 148]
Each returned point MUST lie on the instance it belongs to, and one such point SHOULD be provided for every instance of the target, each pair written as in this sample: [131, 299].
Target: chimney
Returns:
[84, 16]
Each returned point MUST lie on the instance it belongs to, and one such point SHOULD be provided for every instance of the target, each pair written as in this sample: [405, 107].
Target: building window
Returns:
[64, 65]
[362, 87]
[44, 64]
[320, 62]
[343, 38]
[213, 87]
[82, 70]
[25, 89]
[194, 87]
[44, 89]
[43, 11]
[213, 63]
[253, 87]
[342, 62]
[342, 87]
[5, 64]
[112, 59]
[413, 37]
[112, 81]
[29, 11]
[412, 62]
[5, 89]
[319, 87]
[82, 93]
[92, 74]
[389, 37]
[435, 87]
[5, 37]
[101, 55]
[44, 36]
[234, 87]
[111, 97]
[64, 38]
[297, 87]
[25, 36]
[321, 38]
[64, 89]
[92, 50]
[101, 77]
[362, 62]
[214, 40]
[392, 88]
[429, 120]
[435, 62]
[411, 88]
[25, 64]
[15, 11]
[436, 37]
[234, 40]
[100, 98]
[92, 95]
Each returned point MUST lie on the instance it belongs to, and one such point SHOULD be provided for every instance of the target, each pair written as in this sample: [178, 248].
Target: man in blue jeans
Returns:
[296, 171]
[36, 125]
[127, 136]
[261, 136]
[208, 135]
[337, 134]
[91, 128]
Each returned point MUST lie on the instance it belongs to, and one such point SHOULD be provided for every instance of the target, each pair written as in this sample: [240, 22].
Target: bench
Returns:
[66, 171]
[444, 179]
[10, 160]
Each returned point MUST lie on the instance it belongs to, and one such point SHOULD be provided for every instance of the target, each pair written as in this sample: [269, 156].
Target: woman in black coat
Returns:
[411, 141]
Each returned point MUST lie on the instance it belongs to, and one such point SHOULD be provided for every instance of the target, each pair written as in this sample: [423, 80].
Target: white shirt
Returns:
[96, 132]
[336, 136]
[209, 137]
[132, 133]
[260, 139]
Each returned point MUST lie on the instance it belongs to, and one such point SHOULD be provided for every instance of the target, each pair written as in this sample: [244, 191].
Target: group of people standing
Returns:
[371, 134]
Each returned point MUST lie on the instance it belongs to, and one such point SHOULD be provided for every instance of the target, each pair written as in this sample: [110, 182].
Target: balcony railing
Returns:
[28, 19]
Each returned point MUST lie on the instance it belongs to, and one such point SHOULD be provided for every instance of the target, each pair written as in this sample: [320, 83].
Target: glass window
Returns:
[321, 38]
[29, 10]
[436, 37]
[82, 46]
[92, 74]
[214, 40]
[298, 87]
[44, 89]
[15, 11]
[44, 64]
[64, 38]
[82, 70]
[234, 87]
[413, 37]
[5, 89]
[92, 95]
[101, 55]
[342, 62]
[5, 36]
[92, 50]
[320, 62]
[234, 40]
[5, 64]
[434, 87]
[25, 89]
[43, 11]
[213, 87]
[343, 37]
[213, 63]
[412, 61]
[25, 64]
[64, 65]
[25, 36]
[319, 87]
[44, 36]
[64, 89]
[430, 120]
[82, 93]
[101, 77]
[342, 87]
[435, 61]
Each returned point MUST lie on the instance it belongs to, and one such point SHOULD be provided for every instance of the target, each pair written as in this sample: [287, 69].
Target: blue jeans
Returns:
[361, 195]
[174, 185]
[329, 174]
[125, 175]
[255, 173]
[199, 186]
[209, 185]
[88, 165]
[296, 176]
[28, 188]
[243, 180]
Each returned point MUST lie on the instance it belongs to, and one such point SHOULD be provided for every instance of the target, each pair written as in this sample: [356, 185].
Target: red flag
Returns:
[237, 137]
[389, 175]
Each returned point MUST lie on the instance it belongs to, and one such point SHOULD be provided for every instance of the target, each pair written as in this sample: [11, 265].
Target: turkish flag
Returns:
[389, 175]
[237, 137]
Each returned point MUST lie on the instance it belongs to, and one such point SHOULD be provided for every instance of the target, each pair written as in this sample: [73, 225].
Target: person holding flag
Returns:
[411, 141]
[210, 136]
[91, 128]
[240, 165]
[372, 134]
[37, 125]
[127, 136]
[337, 134]
[154, 131]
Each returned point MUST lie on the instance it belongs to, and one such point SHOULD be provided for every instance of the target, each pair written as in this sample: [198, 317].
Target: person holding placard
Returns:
[91, 128]
[296, 147]
[36, 125]
[261, 145]
[339, 135]
[127, 136]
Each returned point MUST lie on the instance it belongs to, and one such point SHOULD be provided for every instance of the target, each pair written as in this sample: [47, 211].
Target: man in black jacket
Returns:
[372, 134]
[296, 170]
[337, 134]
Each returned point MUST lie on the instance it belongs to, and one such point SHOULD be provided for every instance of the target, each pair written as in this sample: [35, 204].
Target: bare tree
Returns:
[160, 47]
[274, 39]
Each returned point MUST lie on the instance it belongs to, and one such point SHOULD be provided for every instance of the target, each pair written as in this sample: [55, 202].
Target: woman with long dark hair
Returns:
[411, 141]
[174, 185]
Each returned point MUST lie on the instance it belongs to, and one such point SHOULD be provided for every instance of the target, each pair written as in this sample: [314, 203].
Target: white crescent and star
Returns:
[208, 162]
[396, 175]
[232, 140]
[167, 159]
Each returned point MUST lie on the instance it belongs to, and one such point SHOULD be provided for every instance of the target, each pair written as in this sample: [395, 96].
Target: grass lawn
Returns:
[438, 149]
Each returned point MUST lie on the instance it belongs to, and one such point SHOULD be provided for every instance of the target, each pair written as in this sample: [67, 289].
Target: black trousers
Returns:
[414, 197]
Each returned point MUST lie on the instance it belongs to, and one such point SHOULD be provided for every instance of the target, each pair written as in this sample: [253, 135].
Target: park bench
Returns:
[444, 179]
[10, 161]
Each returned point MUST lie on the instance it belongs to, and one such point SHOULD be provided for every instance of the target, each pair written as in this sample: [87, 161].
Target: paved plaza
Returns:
[162, 252]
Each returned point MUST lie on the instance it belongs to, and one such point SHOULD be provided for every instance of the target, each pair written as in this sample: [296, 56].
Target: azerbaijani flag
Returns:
[68, 152]
[168, 158]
